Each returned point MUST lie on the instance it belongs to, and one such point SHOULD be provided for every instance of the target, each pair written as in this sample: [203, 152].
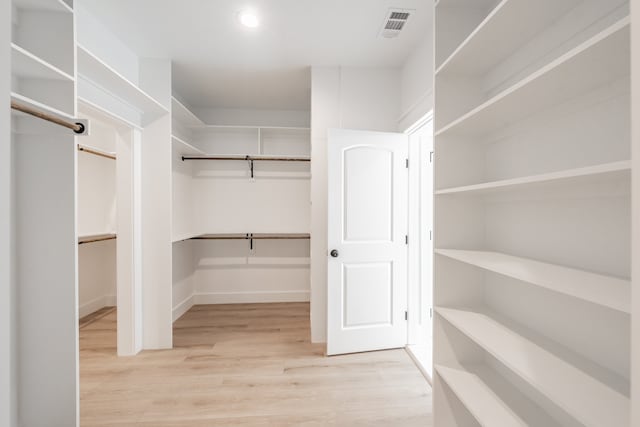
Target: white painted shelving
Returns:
[28, 66]
[103, 76]
[48, 5]
[596, 405]
[183, 115]
[532, 213]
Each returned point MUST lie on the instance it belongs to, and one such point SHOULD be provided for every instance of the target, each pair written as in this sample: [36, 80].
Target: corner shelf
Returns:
[581, 396]
[605, 56]
[183, 115]
[479, 51]
[489, 398]
[100, 74]
[584, 175]
[25, 64]
[189, 149]
[606, 291]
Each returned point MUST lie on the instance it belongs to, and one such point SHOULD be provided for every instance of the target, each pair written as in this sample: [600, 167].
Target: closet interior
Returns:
[241, 212]
[97, 214]
[532, 213]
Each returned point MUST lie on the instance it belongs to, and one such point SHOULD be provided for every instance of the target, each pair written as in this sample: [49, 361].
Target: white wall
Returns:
[349, 98]
[253, 117]
[7, 283]
[417, 84]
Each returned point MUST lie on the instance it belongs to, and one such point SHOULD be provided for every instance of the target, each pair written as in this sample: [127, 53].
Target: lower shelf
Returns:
[92, 238]
[490, 399]
[580, 395]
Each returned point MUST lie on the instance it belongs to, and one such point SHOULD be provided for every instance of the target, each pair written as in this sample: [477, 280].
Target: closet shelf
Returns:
[92, 238]
[101, 75]
[96, 151]
[189, 149]
[479, 52]
[600, 60]
[583, 175]
[183, 115]
[606, 291]
[256, 236]
[489, 398]
[48, 5]
[26, 65]
[581, 396]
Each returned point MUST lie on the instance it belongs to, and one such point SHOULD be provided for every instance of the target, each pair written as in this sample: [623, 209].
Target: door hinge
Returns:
[430, 234]
[431, 157]
[406, 315]
[406, 239]
[407, 163]
[431, 312]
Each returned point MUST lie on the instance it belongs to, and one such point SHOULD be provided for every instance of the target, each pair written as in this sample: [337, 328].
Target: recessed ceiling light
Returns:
[249, 19]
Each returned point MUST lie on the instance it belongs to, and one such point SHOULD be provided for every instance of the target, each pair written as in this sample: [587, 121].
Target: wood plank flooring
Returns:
[245, 365]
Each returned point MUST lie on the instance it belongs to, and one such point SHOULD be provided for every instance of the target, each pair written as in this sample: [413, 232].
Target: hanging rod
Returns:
[249, 158]
[96, 152]
[98, 238]
[251, 237]
[77, 127]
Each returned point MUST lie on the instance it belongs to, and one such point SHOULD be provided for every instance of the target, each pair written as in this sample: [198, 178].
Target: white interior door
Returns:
[367, 260]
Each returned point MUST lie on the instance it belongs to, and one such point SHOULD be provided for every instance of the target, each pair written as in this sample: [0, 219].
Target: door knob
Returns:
[334, 253]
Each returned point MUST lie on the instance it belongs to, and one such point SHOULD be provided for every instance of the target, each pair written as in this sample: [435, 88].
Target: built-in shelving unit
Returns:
[532, 213]
[101, 75]
[28, 66]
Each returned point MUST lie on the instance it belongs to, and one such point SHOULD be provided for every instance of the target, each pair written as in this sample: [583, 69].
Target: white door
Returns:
[367, 260]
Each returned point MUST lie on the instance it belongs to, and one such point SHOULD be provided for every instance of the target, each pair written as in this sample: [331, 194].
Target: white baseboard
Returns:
[183, 307]
[96, 304]
[418, 358]
[251, 297]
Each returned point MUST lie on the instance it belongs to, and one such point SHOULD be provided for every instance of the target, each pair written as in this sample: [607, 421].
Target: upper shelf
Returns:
[581, 396]
[579, 175]
[479, 52]
[48, 5]
[610, 292]
[600, 60]
[102, 75]
[26, 65]
[187, 149]
[183, 115]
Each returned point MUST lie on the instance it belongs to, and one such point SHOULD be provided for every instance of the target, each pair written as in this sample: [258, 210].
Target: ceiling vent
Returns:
[394, 22]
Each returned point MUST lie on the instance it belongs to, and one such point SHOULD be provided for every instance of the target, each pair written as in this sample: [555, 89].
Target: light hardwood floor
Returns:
[245, 365]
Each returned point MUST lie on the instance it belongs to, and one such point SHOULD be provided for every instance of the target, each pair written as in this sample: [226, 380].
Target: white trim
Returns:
[251, 297]
[416, 104]
[96, 304]
[419, 363]
[180, 309]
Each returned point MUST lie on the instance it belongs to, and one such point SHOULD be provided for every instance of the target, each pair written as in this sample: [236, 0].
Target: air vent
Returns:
[394, 22]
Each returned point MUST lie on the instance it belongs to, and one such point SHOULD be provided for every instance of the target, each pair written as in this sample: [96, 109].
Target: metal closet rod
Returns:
[96, 152]
[249, 158]
[76, 127]
[97, 239]
[251, 237]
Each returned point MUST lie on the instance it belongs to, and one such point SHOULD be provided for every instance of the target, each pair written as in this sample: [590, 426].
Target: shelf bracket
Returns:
[250, 160]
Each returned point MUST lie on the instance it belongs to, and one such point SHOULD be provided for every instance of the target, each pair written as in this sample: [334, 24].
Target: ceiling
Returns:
[220, 64]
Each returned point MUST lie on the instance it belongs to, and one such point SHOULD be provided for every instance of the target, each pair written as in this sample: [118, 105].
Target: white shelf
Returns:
[602, 59]
[581, 396]
[48, 5]
[183, 115]
[38, 105]
[479, 52]
[232, 127]
[189, 149]
[603, 290]
[584, 175]
[490, 399]
[26, 65]
[103, 76]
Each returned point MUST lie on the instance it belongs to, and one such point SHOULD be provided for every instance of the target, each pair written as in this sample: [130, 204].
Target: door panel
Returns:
[367, 225]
